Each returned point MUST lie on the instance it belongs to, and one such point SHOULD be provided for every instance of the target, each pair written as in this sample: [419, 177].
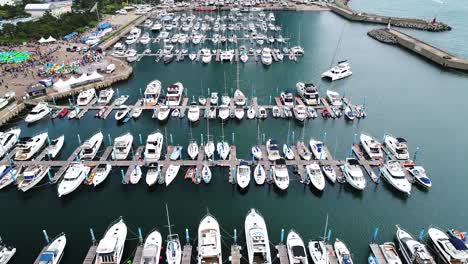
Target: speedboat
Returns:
[193, 112]
[239, 113]
[101, 173]
[318, 252]
[300, 112]
[6, 252]
[395, 175]
[86, 96]
[163, 113]
[74, 176]
[397, 146]
[308, 93]
[390, 253]
[340, 71]
[266, 57]
[262, 112]
[105, 96]
[121, 100]
[296, 250]
[122, 113]
[145, 39]
[135, 175]
[412, 249]
[111, 246]
[38, 112]
[342, 252]
[153, 173]
[174, 94]
[223, 149]
[371, 146]
[239, 98]
[448, 249]
[122, 146]
[209, 241]
[334, 98]
[152, 248]
[8, 140]
[205, 55]
[171, 173]
[243, 174]
[317, 149]
[419, 174]
[257, 152]
[329, 172]
[251, 113]
[349, 113]
[31, 177]
[91, 146]
[206, 174]
[225, 100]
[152, 92]
[176, 153]
[154, 144]
[272, 150]
[281, 174]
[353, 174]
[209, 148]
[256, 236]
[276, 111]
[53, 252]
[156, 26]
[28, 147]
[223, 112]
[193, 150]
[8, 175]
[259, 174]
[214, 98]
[303, 151]
[315, 175]
[202, 100]
[133, 36]
[287, 98]
[287, 151]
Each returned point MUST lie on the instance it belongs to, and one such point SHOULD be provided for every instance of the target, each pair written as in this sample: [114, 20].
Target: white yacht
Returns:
[133, 35]
[105, 96]
[239, 98]
[135, 175]
[397, 147]
[8, 175]
[257, 152]
[288, 153]
[239, 113]
[342, 252]
[154, 144]
[38, 112]
[145, 39]
[174, 94]
[101, 173]
[334, 98]
[91, 146]
[227, 55]
[152, 92]
[173, 246]
[31, 177]
[54, 252]
[315, 175]
[266, 57]
[395, 175]
[163, 113]
[412, 249]
[259, 174]
[318, 252]
[281, 174]
[209, 148]
[193, 149]
[390, 253]
[206, 55]
[296, 249]
[308, 93]
[6, 253]
[449, 249]
[157, 26]
[330, 172]
[209, 241]
[419, 174]
[303, 151]
[122, 113]
[86, 96]
[193, 112]
[300, 112]
[272, 150]
[28, 147]
[152, 248]
[243, 174]
[287, 98]
[256, 236]
[122, 146]
[111, 246]
[224, 112]
[353, 174]
[223, 149]
[8, 140]
[153, 174]
[371, 146]
[74, 176]
[317, 149]
[340, 71]
[171, 173]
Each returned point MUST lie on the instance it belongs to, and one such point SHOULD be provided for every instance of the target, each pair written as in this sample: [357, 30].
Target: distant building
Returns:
[9, 2]
[55, 8]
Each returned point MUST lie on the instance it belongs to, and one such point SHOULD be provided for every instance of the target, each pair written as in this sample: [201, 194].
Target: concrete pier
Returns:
[89, 259]
[377, 252]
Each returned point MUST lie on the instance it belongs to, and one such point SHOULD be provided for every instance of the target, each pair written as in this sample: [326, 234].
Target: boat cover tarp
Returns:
[298, 252]
[70, 35]
[104, 26]
[458, 243]
[47, 256]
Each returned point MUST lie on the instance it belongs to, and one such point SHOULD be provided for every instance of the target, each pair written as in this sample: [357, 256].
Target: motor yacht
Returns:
[243, 174]
[28, 147]
[31, 177]
[91, 146]
[340, 71]
[257, 241]
[122, 114]
[193, 150]
[171, 173]
[266, 57]
[303, 151]
[193, 112]
[209, 241]
[151, 252]
[390, 253]
[419, 174]
[329, 172]
[205, 56]
[287, 98]
[8, 139]
[272, 150]
[74, 176]
[38, 112]
[296, 249]
[153, 174]
[133, 36]
[105, 96]
[154, 144]
[308, 93]
[448, 249]
[239, 113]
[122, 146]
[281, 174]
[135, 175]
[315, 175]
[111, 246]
[6, 253]
[262, 112]
[223, 112]
[174, 94]
[371, 146]
[121, 100]
[342, 252]
[334, 98]
[397, 146]
[300, 112]
[317, 149]
[86, 96]
[152, 92]
[395, 175]
[411, 249]
[353, 174]
[53, 252]
[101, 173]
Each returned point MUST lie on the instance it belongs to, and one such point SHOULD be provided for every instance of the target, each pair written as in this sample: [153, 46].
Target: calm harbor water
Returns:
[405, 96]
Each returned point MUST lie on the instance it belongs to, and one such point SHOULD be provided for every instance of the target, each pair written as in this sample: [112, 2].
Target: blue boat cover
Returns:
[47, 256]
[457, 243]
[425, 180]
[104, 26]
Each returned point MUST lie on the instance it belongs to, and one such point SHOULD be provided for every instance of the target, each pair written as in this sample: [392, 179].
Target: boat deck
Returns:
[89, 259]
[282, 254]
[236, 256]
[375, 249]
[332, 259]
[138, 253]
[186, 254]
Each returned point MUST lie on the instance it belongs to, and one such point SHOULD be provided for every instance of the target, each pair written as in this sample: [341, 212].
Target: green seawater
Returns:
[405, 96]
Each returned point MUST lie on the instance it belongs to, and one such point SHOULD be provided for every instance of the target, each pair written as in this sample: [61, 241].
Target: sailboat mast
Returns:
[325, 231]
[168, 221]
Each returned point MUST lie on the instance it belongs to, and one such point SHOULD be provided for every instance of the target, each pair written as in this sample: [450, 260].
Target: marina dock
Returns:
[377, 252]
[236, 256]
[138, 254]
[282, 254]
[186, 254]
[89, 259]
[39, 256]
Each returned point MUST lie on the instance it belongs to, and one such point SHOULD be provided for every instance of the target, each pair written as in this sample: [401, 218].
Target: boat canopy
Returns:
[149, 252]
[298, 252]
[401, 140]
[457, 243]
[47, 256]
[353, 162]
[280, 162]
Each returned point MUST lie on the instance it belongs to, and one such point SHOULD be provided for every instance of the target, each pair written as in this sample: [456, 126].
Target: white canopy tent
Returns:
[42, 40]
[61, 86]
[50, 39]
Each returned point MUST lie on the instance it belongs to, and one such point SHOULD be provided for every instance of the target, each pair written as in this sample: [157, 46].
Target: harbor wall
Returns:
[11, 111]
[121, 32]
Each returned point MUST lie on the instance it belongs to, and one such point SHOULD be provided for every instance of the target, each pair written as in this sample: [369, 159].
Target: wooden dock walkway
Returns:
[359, 153]
[235, 257]
[332, 259]
[282, 254]
[89, 259]
[326, 105]
[138, 254]
[86, 108]
[375, 249]
[186, 254]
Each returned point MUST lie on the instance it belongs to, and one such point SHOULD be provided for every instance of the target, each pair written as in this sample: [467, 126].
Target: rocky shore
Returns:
[382, 35]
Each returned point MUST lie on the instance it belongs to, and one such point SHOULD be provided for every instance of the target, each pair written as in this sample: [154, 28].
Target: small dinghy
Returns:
[136, 175]
[419, 174]
[259, 174]
[175, 155]
[206, 174]
[153, 173]
[329, 172]
[55, 146]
